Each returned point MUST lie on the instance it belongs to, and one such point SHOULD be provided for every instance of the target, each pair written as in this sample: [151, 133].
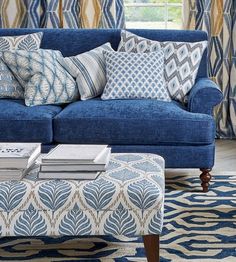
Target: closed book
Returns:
[13, 174]
[73, 168]
[18, 155]
[101, 165]
[74, 154]
[69, 175]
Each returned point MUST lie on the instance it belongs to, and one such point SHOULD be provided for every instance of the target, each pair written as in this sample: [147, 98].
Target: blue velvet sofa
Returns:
[183, 135]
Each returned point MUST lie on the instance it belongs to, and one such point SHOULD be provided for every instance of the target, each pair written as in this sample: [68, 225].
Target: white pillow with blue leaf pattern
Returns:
[9, 86]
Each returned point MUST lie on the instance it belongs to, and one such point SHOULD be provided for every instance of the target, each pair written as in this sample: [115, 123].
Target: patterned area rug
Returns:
[198, 226]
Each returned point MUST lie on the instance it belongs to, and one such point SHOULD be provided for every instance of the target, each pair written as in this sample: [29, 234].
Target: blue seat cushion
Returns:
[19, 123]
[132, 122]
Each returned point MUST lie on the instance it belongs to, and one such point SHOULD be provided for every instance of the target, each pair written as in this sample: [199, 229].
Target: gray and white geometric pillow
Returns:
[9, 86]
[44, 79]
[182, 60]
[89, 70]
[135, 76]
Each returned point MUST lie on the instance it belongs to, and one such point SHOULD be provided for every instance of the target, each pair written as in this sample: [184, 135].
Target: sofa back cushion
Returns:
[72, 42]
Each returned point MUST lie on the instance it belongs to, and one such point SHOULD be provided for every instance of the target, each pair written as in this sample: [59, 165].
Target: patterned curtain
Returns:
[218, 18]
[62, 14]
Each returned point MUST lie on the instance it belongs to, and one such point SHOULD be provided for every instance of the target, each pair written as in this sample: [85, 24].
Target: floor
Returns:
[225, 155]
[225, 160]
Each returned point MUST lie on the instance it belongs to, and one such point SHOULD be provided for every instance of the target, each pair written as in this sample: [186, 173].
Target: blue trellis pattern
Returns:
[135, 76]
[127, 199]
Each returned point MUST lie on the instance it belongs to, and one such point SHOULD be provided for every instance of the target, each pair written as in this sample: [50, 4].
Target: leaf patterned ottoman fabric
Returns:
[44, 79]
[182, 60]
[127, 199]
[9, 86]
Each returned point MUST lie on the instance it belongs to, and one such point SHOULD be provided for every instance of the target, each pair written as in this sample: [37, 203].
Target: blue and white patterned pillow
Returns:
[9, 86]
[135, 76]
[44, 79]
[28, 42]
[89, 70]
[182, 60]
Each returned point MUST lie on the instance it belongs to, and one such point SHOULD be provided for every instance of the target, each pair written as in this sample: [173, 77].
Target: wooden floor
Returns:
[225, 158]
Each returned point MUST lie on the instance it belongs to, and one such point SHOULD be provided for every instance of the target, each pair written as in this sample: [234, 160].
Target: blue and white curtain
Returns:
[218, 19]
[62, 14]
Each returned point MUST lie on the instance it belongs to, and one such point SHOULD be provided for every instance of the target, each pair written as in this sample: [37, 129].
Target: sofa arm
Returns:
[204, 95]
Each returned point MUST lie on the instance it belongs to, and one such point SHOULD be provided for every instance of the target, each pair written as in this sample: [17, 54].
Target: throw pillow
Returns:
[89, 70]
[135, 76]
[182, 60]
[28, 42]
[9, 86]
[44, 79]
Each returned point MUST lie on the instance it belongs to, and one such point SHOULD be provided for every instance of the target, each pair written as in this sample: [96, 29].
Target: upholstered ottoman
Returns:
[126, 200]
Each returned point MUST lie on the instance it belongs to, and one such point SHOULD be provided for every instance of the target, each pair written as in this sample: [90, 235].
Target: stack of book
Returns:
[75, 162]
[16, 159]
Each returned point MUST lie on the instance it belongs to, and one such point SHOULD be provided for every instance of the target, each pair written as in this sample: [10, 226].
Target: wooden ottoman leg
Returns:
[205, 178]
[152, 247]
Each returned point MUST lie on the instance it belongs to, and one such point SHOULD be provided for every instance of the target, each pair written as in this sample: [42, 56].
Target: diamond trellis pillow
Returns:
[182, 60]
[9, 86]
[135, 76]
[44, 79]
[89, 70]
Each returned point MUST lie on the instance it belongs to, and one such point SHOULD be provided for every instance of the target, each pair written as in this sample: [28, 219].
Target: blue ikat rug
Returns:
[197, 226]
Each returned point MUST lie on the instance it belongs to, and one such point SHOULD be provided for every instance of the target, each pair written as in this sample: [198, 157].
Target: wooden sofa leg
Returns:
[205, 178]
[152, 247]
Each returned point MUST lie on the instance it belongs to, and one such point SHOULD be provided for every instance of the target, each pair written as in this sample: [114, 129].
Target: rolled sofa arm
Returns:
[204, 95]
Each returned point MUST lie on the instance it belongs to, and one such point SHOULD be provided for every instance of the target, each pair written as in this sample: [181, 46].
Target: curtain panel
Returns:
[218, 19]
[62, 14]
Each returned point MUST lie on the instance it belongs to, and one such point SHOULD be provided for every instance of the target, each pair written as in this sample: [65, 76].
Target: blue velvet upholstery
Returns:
[19, 123]
[183, 136]
[204, 95]
[189, 156]
[132, 122]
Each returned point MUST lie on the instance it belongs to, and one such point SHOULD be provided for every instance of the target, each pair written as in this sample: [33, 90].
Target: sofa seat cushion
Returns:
[19, 123]
[132, 122]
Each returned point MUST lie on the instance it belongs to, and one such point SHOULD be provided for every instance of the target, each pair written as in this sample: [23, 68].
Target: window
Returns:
[159, 14]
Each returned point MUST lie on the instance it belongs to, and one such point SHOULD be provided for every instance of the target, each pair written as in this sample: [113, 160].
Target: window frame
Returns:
[164, 4]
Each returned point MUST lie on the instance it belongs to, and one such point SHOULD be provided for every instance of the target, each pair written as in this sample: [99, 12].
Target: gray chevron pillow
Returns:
[182, 60]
